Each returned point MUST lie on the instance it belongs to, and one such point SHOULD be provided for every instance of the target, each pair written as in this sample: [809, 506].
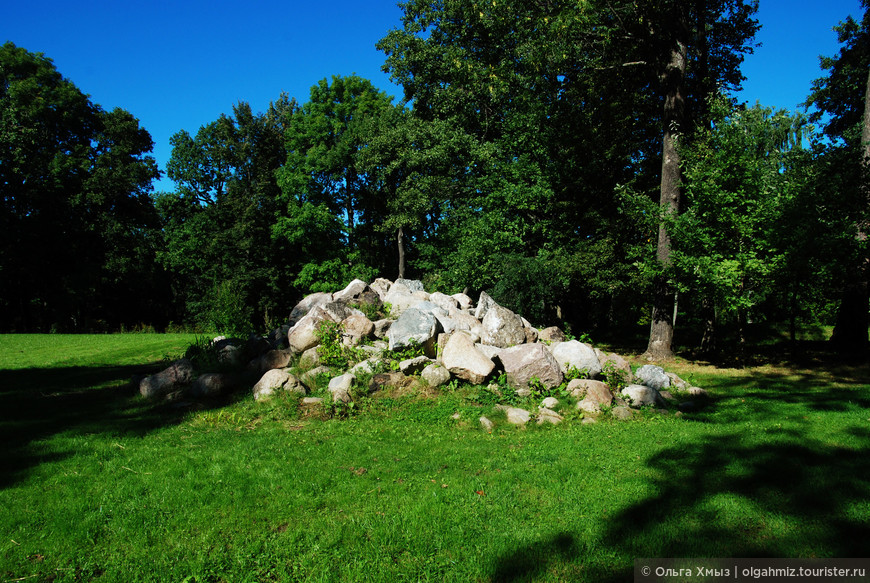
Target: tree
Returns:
[228, 270]
[322, 174]
[694, 47]
[844, 96]
[573, 99]
[742, 186]
[75, 182]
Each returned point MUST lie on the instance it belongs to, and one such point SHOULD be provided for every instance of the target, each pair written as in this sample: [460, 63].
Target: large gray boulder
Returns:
[352, 292]
[413, 285]
[527, 361]
[381, 286]
[400, 299]
[277, 380]
[464, 360]
[551, 334]
[307, 304]
[464, 301]
[443, 301]
[483, 305]
[303, 335]
[414, 326]
[212, 384]
[356, 327]
[270, 360]
[595, 391]
[577, 355]
[501, 327]
[173, 378]
[640, 396]
[653, 376]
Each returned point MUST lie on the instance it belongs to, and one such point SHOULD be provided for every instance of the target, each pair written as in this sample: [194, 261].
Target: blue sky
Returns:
[180, 64]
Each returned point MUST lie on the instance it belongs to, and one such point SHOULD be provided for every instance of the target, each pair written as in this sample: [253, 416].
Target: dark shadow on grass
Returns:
[528, 563]
[36, 404]
[734, 496]
[759, 483]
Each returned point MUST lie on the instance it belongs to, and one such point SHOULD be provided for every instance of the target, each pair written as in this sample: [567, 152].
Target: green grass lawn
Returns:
[97, 484]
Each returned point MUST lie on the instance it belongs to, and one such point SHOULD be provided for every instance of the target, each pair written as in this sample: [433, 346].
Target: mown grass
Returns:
[99, 485]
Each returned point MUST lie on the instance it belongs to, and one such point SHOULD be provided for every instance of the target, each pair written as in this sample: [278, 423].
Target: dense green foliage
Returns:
[77, 228]
[524, 159]
[98, 484]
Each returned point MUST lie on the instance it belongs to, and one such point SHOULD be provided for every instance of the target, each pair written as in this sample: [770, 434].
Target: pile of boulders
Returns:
[459, 339]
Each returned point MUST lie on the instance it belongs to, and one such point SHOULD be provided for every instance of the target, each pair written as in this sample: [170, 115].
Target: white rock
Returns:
[550, 403]
[518, 416]
[464, 360]
[577, 355]
[549, 416]
[640, 395]
[435, 375]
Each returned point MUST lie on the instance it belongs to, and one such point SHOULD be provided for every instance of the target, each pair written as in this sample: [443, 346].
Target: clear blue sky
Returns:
[180, 64]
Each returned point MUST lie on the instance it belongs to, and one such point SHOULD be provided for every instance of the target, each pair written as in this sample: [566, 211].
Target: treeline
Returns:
[582, 162]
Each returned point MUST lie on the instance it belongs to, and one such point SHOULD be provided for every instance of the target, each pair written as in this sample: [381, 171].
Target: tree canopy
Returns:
[585, 163]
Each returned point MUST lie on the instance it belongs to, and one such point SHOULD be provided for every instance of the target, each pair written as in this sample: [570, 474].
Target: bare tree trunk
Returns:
[400, 240]
[662, 327]
[850, 331]
[708, 340]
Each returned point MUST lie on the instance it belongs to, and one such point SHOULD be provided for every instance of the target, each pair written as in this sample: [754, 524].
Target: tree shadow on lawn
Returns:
[37, 404]
[723, 497]
[759, 483]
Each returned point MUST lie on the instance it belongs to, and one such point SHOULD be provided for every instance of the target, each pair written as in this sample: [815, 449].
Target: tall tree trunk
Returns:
[708, 340]
[661, 333]
[400, 241]
[850, 331]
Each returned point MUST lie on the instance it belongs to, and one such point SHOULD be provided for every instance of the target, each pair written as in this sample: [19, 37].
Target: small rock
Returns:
[698, 392]
[549, 416]
[518, 416]
[388, 380]
[588, 406]
[276, 380]
[309, 359]
[414, 365]
[486, 424]
[435, 375]
[550, 403]
[593, 390]
[211, 385]
[526, 362]
[353, 291]
[551, 334]
[340, 383]
[311, 401]
[169, 380]
[622, 413]
[271, 360]
[309, 379]
[589, 420]
[676, 382]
